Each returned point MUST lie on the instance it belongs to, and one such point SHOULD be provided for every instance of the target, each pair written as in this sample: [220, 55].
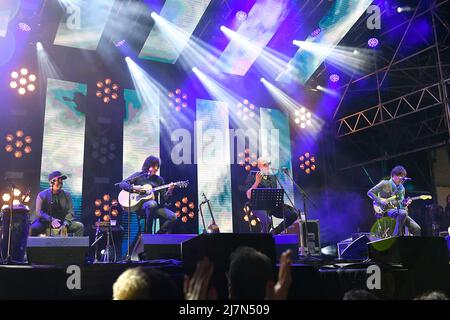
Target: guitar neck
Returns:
[161, 187]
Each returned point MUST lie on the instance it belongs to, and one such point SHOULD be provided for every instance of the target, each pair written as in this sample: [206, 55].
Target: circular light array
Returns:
[103, 150]
[23, 81]
[246, 160]
[307, 163]
[241, 15]
[107, 90]
[334, 77]
[245, 109]
[17, 144]
[316, 32]
[24, 27]
[303, 118]
[250, 218]
[106, 208]
[178, 99]
[185, 209]
[373, 42]
[120, 43]
[17, 197]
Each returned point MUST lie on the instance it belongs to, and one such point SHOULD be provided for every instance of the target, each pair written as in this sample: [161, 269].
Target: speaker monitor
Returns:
[313, 244]
[356, 250]
[410, 251]
[57, 250]
[164, 246]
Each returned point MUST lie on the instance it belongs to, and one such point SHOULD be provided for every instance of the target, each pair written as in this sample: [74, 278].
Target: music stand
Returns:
[269, 199]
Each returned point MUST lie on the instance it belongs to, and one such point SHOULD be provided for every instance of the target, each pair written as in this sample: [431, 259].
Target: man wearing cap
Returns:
[54, 208]
[264, 178]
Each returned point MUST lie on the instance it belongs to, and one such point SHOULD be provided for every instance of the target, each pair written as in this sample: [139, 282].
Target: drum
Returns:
[19, 232]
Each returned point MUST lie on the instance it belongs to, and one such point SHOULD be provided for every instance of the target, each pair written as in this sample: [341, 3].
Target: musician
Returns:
[54, 207]
[388, 188]
[265, 179]
[152, 208]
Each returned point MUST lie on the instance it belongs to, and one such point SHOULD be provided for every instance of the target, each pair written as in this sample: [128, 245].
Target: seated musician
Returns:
[152, 208]
[264, 179]
[54, 207]
[398, 209]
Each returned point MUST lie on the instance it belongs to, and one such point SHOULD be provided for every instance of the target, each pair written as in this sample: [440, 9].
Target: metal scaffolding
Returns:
[420, 112]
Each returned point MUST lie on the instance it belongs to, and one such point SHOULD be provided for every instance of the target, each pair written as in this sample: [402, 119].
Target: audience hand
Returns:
[197, 288]
[281, 289]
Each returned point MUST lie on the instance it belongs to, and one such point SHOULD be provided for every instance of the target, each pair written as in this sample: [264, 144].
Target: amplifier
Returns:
[313, 243]
[57, 250]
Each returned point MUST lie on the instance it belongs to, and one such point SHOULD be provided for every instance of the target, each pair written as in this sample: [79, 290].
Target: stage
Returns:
[319, 281]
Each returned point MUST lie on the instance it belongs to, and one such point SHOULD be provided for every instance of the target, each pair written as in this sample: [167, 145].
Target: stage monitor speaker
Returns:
[164, 246]
[356, 250]
[410, 251]
[57, 250]
[313, 244]
[218, 248]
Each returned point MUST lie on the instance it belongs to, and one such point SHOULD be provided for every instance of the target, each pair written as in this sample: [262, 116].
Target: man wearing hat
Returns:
[54, 208]
[264, 178]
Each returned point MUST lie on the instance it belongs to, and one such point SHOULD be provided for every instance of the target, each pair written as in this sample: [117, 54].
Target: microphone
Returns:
[406, 179]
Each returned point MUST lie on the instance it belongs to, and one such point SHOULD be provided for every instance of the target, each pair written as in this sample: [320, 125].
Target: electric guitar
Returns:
[393, 202]
[133, 200]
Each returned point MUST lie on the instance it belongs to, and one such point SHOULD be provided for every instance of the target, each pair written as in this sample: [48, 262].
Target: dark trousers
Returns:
[402, 221]
[39, 227]
[153, 211]
[266, 220]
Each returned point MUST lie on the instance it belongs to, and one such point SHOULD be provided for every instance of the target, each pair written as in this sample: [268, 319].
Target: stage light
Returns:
[154, 15]
[16, 145]
[316, 32]
[355, 51]
[103, 150]
[245, 109]
[127, 59]
[21, 83]
[120, 43]
[307, 163]
[24, 27]
[302, 117]
[6, 197]
[39, 45]
[334, 77]
[177, 99]
[106, 207]
[247, 160]
[223, 28]
[372, 42]
[194, 69]
[241, 15]
[184, 209]
[109, 90]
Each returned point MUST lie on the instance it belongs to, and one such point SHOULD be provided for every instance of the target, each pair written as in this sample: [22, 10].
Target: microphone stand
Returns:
[212, 228]
[305, 198]
[201, 214]
[128, 181]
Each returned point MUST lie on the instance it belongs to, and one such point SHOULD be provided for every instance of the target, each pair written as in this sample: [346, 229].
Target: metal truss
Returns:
[423, 95]
[408, 104]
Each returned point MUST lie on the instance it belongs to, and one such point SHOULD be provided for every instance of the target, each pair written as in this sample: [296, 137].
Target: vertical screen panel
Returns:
[141, 134]
[263, 21]
[185, 15]
[276, 145]
[83, 23]
[141, 131]
[63, 141]
[334, 26]
[213, 162]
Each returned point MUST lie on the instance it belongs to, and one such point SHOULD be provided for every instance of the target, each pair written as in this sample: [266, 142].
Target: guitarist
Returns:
[152, 208]
[388, 188]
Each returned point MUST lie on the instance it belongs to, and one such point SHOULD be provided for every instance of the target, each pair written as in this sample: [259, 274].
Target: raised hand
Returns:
[281, 289]
[197, 288]
[56, 223]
